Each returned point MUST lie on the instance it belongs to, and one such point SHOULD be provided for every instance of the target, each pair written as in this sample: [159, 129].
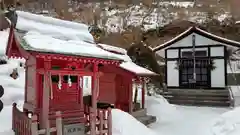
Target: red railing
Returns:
[103, 120]
[21, 123]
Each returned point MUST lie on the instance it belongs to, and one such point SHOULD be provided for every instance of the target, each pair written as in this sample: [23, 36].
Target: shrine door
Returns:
[122, 93]
[66, 90]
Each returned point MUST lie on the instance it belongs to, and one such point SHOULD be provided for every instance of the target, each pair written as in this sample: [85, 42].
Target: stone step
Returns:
[139, 113]
[194, 97]
[200, 103]
[200, 90]
[196, 93]
[146, 120]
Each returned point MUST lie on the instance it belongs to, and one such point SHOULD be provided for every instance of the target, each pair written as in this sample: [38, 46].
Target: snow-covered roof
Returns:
[128, 64]
[113, 48]
[52, 26]
[199, 31]
[134, 68]
[35, 41]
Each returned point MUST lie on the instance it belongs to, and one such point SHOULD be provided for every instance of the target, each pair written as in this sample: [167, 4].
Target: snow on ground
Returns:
[226, 124]
[13, 93]
[171, 119]
[187, 121]
[4, 39]
[123, 125]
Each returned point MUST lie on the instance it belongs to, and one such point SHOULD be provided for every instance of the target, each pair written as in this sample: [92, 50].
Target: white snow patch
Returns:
[53, 26]
[3, 42]
[130, 66]
[226, 124]
[14, 92]
[125, 124]
[158, 106]
[76, 47]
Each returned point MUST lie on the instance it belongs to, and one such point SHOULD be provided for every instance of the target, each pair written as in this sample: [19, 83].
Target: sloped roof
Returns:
[128, 64]
[199, 31]
[54, 27]
[34, 41]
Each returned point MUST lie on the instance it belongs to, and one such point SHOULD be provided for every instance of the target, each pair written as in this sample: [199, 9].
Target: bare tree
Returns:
[62, 9]
[234, 7]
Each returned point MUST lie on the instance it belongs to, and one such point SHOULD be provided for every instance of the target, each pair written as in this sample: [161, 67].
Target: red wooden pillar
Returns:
[143, 93]
[94, 98]
[130, 96]
[45, 96]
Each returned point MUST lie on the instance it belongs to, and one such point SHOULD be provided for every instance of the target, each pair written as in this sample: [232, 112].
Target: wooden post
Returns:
[94, 99]
[45, 97]
[34, 125]
[14, 116]
[59, 123]
[48, 128]
[101, 123]
[109, 121]
[130, 96]
[143, 93]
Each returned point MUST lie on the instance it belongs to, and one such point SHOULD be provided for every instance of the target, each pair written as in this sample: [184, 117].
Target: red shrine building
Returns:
[55, 71]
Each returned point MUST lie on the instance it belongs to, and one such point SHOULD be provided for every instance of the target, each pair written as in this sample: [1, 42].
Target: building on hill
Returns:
[198, 60]
[59, 54]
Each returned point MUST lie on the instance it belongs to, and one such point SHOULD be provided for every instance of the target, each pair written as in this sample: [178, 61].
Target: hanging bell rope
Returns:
[80, 82]
[60, 82]
[69, 81]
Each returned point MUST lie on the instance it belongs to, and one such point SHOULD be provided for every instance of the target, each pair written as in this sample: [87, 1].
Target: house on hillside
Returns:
[198, 60]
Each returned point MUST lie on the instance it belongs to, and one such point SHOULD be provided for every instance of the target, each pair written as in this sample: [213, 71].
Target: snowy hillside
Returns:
[114, 17]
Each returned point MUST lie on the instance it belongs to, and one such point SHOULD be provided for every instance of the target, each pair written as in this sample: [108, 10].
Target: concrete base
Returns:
[142, 116]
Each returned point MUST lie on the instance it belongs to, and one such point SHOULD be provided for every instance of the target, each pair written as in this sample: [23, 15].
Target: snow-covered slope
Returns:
[116, 18]
[226, 124]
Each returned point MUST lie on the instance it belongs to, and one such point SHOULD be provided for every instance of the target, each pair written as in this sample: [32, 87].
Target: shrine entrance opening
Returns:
[66, 89]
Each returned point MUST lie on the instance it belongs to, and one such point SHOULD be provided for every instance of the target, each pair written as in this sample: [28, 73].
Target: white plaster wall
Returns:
[217, 51]
[172, 74]
[218, 74]
[173, 53]
[187, 41]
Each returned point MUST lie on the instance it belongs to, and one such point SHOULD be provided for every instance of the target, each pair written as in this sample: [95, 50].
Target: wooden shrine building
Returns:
[54, 82]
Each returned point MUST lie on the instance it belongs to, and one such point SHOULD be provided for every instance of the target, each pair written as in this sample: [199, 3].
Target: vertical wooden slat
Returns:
[101, 122]
[109, 121]
[59, 123]
[143, 93]
[34, 126]
[92, 128]
[13, 117]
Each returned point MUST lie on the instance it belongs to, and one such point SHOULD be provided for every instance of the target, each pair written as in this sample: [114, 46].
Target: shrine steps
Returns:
[141, 115]
[69, 117]
[197, 97]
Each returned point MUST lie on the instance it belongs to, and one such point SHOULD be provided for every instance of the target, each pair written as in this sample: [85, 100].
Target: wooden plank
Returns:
[101, 123]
